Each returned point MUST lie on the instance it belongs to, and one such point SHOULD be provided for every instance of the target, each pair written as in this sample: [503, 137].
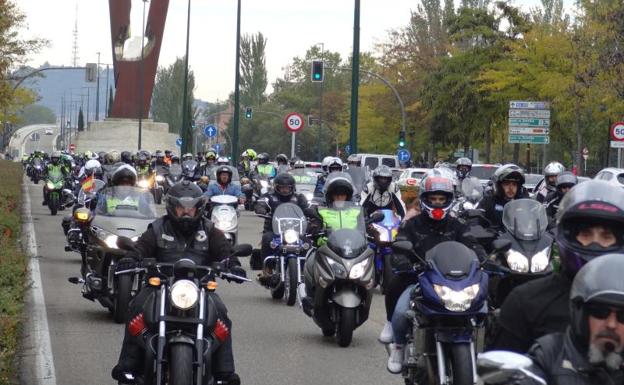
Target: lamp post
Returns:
[141, 75]
[355, 77]
[184, 134]
[320, 128]
[97, 93]
[234, 141]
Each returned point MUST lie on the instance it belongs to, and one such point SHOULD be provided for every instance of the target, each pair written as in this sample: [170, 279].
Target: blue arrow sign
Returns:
[348, 149]
[210, 131]
[217, 147]
[179, 142]
[403, 155]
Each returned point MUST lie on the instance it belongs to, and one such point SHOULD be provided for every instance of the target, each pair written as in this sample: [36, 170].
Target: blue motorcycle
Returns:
[387, 230]
[448, 310]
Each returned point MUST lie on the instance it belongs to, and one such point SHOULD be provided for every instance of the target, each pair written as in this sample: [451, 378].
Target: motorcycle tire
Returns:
[180, 364]
[53, 203]
[346, 325]
[461, 364]
[122, 299]
[291, 283]
[387, 274]
[255, 261]
[278, 291]
[36, 180]
[158, 196]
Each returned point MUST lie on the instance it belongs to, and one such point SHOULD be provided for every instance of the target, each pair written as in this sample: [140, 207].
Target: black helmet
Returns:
[141, 159]
[382, 177]
[597, 283]
[168, 152]
[126, 157]
[101, 155]
[506, 173]
[281, 159]
[124, 175]
[338, 183]
[224, 169]
[284, 185]
[182, 198]
[263, 158]
[463, 167]
[588, 204]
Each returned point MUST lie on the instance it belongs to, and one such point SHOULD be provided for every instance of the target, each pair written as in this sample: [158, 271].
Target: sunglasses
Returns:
[603, 312]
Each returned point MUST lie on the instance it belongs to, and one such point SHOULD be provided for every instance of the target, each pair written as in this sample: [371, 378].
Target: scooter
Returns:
[224, 215]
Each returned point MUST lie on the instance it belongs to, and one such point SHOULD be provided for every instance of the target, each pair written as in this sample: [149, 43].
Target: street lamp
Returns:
[141, 75]
[184, 134]
[234, 141]
[97, 93]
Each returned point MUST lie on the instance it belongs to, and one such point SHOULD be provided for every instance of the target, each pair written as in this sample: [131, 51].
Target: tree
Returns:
[168, 95]
[80, 120]
[36, 114]
[253, 78]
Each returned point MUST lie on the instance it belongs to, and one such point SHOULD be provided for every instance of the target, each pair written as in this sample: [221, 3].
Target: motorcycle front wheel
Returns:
[346, 325]
[461, 364]
[291, 283]
[53, 203]
[122, 298]
[180, 364]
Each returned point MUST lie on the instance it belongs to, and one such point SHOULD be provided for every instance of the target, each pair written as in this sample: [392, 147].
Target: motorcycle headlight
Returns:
[337, 268]
[50, 185]
[469, 206]
[264, 183]
[457, 300]
[291, 236]
[517, 261]
[540, 261]
[384, 234]
[184, 294]
[135, 238]
[358, 270]
[111, 241]
[309, 196]
[160, 178]
[143, 183]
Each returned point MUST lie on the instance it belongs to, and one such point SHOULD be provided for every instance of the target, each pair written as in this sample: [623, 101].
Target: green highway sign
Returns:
[539, 114]
[530, 139]
[527, 122]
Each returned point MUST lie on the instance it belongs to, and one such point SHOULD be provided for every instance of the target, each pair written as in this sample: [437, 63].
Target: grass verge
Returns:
[13, 268]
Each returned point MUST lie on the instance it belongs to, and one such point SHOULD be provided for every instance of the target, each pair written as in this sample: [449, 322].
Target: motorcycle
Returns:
[360, 177]
[247, 188]
[469, 196]
[305, 183]
[150, 183]
[36, 170]
[190, 168]
[525, 223]
[342, 278]
[178, 327]
[108, 275]
[76, 229]
[289, 251]
[387, 229]
[498, 367]
[448, 310]
[224, 215]
[174, 176]
[58, 197]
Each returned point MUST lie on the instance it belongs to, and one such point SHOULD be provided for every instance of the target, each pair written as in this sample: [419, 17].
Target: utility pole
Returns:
[141, 73]
[184, 134]
[355, 78]
[106, 93]
[234, 141]
[97, 94]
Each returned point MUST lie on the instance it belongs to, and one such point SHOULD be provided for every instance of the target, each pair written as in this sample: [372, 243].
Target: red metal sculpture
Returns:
[128, 69]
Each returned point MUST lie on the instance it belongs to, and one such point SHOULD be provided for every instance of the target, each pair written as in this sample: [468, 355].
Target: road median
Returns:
[13, 268]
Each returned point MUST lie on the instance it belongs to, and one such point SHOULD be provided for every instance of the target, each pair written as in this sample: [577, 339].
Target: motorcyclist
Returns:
[53, 166]
[168, 155]
[508, 185]
[264, 170]
[224, 185]
[551, 171]
[283, 191]
[463, 166]
[565, 181]
[223, 161]
[245, 166]
[331, 164]
[590, 351]
[142, 167]
[590, 223]
[432, 226]
[187, 156]
[126, 157]
[354, 160]
[292, 161]
[381, 193]
[160, 159]
[282, 163]
[182, 233]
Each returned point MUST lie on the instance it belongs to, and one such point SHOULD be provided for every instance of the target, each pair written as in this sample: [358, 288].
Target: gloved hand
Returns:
[237, 270]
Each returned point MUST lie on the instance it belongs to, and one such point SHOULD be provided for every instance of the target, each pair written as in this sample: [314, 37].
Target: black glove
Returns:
[237, 270]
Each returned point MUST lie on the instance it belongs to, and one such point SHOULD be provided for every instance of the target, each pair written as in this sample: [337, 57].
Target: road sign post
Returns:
[210, 131]
[529, 122]
[403, 155]
[293, 123]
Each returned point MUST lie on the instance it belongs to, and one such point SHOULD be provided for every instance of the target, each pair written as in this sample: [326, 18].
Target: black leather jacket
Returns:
[559, 361]
[493, 206]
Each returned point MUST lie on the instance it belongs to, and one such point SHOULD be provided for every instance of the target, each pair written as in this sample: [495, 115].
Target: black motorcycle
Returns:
[178, 327]
[174, 176]
[190, 169]
[36, 170]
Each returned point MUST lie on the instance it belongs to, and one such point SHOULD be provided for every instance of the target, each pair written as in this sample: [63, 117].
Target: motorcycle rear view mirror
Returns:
[502, 367]
[242, 250]
[125, 243]
[376, 217]
[501, 245]
[403, 247]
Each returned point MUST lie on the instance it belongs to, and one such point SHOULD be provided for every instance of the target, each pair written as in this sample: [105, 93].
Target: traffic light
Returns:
[248, 113]
[401, 139]
[317, 70]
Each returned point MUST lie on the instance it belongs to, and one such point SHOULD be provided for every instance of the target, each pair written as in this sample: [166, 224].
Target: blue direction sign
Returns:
[217, 147]
[348, 149]
[210, 131]
[179, 142]
[403, 155]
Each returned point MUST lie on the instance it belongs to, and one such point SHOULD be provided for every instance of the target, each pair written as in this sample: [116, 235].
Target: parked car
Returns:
[411, 176]
[531, 181]
[483, 172]
[611, 175]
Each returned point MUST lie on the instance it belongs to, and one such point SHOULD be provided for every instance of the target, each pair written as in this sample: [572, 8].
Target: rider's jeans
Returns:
[400, 323]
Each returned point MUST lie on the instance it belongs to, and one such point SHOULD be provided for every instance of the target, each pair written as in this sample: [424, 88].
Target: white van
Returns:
[372, 161]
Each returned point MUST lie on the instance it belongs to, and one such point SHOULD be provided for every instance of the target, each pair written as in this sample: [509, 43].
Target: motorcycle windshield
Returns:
[127, 202]
[472, 189]
[347, 243]
[190, 165]
[525, 219]
[452, 259]
[359, 175]
[175, 170]
[289, 216]
[87, 192]
[55, 175]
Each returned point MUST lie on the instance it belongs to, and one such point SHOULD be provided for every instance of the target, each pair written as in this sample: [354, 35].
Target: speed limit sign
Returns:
[617, 131]
[293, 122]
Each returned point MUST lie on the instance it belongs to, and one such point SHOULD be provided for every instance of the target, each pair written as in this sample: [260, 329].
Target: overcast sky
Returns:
[291, 26]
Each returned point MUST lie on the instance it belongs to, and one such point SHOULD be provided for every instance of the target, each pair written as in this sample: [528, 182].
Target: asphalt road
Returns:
[273, 343]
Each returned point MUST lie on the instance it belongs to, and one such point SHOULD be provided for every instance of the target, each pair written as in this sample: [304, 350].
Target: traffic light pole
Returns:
[236, 90]
[355, 77]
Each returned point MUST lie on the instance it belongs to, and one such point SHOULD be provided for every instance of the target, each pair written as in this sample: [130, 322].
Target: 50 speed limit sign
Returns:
[293, 122]
[617, 131]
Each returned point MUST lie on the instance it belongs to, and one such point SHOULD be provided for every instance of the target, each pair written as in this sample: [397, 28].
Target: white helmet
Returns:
[553, 169]
[222, 160]
[334, 163]
[325, 162]
[92, 165]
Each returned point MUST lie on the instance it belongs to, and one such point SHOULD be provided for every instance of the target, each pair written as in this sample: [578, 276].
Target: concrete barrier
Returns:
[123, 134]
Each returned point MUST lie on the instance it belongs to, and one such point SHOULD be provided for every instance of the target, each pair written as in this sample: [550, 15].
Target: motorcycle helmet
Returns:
[508, 173]
[124, 175]
[592, 203]
[88, 154]
[463, 167]
[168, 153]
[251, 153]
[382, 178]
[93, 167]
[244, 154]
[160, 157]
[436, 183]
[199, 156]
[565, 180]
[553, 169]
[338, 183]
[101, 155]
[284, 185]
[55, 157]
[335, 165]
[211, 155]
[325, 163]
[126, 157]
[598, 284]
[221, 170]
[281, 159]
[175, 159]
[223, 161]
[263, 158]
[354, 160]
[299, 164]
[141, 160]
[185, 206]
[187, 156]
